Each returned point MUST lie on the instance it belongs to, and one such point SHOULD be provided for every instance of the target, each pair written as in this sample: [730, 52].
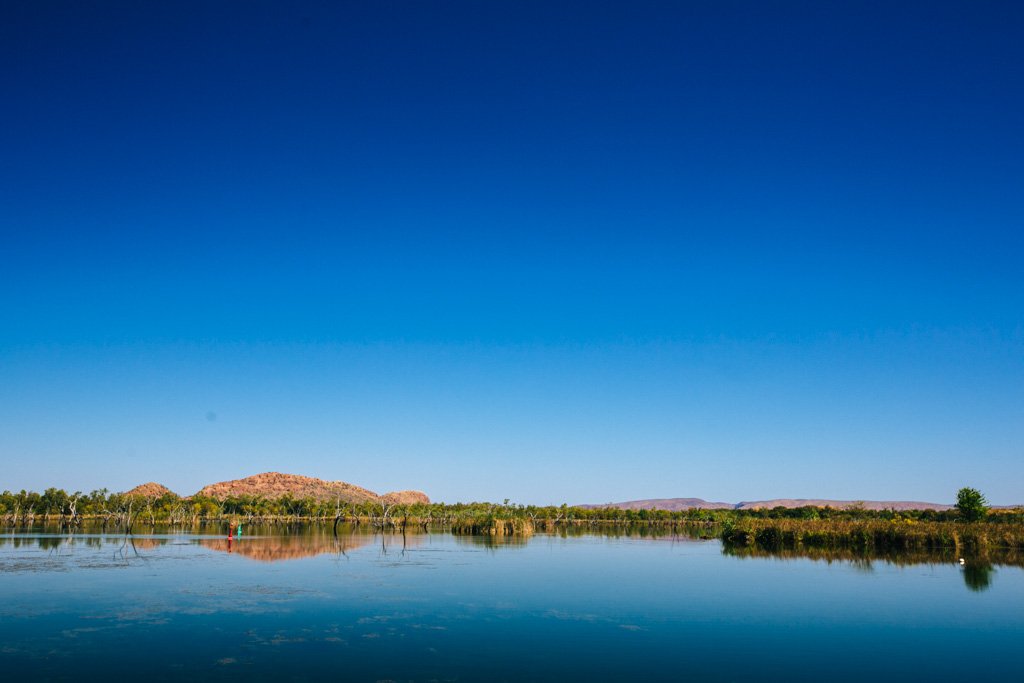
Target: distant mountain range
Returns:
[272, 485]
[701, 504]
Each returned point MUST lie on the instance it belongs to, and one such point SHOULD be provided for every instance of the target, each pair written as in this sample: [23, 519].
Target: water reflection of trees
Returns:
[124, 546]
[94, 541]
[492, 542]
[978, 575]
[977, 571]
[279, 543]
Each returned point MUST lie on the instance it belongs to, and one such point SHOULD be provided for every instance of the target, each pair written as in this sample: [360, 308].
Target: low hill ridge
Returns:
[673, 504]
[276, 484]
[898, 505]
[676, 504]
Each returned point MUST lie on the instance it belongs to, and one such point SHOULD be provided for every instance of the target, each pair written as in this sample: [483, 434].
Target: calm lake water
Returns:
[296, 605]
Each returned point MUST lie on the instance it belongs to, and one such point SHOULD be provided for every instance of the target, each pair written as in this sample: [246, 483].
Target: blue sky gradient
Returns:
[552, 252]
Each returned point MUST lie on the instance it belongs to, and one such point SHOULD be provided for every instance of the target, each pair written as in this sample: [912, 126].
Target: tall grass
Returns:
[872, 535]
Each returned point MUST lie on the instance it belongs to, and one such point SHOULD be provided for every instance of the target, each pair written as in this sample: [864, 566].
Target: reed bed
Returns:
[872, 535]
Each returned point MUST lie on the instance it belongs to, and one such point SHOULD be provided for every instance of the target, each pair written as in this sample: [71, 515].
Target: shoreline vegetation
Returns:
[807, 529]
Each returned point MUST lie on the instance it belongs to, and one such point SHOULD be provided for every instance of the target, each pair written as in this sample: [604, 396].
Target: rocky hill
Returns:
[274, 485]
[406, 497]
[150, 490]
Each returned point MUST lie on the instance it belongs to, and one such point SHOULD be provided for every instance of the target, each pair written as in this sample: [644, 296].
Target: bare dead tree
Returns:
[340, 512]
[385, 510]
[74, 519]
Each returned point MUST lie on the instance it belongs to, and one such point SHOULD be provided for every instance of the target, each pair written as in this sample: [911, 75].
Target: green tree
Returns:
[971, 504]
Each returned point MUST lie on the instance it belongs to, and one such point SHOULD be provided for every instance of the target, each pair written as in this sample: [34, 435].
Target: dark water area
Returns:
[298, 603]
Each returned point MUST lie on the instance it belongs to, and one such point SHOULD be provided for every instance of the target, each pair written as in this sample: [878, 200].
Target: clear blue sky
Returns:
[546, 251]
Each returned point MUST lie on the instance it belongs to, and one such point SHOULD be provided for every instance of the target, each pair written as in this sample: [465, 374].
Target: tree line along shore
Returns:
[971, 526]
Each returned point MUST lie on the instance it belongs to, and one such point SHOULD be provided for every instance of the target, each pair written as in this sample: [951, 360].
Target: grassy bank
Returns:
[873, 535]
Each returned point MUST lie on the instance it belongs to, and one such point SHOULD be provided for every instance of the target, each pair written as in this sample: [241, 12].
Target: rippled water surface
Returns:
[362, 607]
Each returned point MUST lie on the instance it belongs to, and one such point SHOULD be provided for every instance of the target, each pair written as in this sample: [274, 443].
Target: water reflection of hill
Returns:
[147, 543]
[278, 548]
